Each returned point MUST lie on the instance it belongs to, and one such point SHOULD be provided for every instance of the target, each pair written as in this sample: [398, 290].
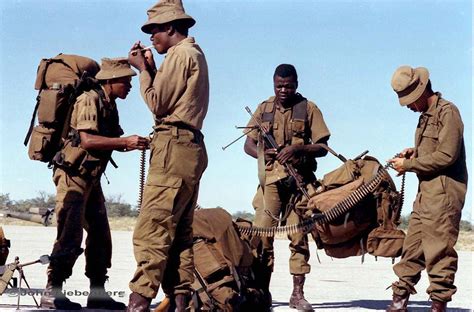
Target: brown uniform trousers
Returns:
[433, 228]
[274, 200]
[162, 239]
[80, 205]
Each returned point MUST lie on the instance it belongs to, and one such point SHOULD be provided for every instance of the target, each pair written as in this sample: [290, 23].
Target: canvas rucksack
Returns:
[371, 224]
[60, 80]
[222, 265]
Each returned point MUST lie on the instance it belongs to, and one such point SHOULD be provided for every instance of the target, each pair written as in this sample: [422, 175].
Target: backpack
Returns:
[224, 279]
[371, 224]
[60, 80]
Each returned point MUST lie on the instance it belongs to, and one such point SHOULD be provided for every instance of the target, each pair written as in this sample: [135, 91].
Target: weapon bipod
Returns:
[17, 266]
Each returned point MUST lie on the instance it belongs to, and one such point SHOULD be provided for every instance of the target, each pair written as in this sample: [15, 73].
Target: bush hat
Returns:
[409, 83]
[166, 11]
[115, 68]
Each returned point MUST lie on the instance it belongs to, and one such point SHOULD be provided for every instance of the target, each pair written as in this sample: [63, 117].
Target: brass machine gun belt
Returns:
[326, 217]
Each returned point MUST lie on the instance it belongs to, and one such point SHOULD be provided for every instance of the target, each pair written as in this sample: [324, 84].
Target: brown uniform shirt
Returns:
[179, 93]
[440, 151]
[85, 115]
[282, 132]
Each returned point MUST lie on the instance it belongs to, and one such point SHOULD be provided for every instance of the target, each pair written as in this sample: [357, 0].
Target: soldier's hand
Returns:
[408, 153]
[150, 60]
[134, 142]
[290, 153]
[270, 154]
[136, 57]
[397, 164]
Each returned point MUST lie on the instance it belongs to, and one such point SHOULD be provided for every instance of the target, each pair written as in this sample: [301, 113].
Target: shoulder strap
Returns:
[300, 110]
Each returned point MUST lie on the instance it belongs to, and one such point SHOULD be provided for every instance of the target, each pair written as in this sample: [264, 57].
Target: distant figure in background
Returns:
[95, 133]
[439, 161]
[178, 96]
[296, 124]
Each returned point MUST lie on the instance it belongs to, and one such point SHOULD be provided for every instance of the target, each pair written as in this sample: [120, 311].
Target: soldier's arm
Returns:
[250, 147]
[167, 85]
[309, 150]
[91, 141]
[450, 139]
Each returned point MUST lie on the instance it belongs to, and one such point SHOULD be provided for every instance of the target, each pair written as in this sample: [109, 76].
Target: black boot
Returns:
[297, 300]
[138, 303]
[438, 306]
[181, 302]
[399, 303]
[53, 297]
[99, 299]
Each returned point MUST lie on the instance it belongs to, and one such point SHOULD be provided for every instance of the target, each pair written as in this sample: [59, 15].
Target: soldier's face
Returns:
[121, 87]
[160, 39]
[285, 89]
[420, 105]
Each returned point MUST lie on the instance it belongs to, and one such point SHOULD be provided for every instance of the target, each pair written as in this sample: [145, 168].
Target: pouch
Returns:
[42, 144]
[52, 106]
[385, 242]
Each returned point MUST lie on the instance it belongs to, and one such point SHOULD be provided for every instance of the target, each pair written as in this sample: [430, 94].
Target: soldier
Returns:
[178, 96]
[296, 124]
[439, 161]
[95, 133]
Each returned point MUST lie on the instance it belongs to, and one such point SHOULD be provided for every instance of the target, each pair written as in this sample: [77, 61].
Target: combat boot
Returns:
[399, 303]
[179, 303]
[99, 299]
[438, 306]
[297, 300]
[53, 297]
[138, 303]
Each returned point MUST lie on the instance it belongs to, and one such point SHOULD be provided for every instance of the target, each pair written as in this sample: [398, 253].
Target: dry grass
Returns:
[465, 240]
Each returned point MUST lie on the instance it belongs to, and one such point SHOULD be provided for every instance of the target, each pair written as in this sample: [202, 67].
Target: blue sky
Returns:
[344, 51]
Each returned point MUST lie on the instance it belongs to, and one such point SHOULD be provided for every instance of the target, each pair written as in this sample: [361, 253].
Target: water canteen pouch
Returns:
[59, 80]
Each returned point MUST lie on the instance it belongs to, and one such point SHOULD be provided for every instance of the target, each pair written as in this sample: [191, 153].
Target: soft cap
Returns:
[115, 68]
[409, 83]
[166, 11]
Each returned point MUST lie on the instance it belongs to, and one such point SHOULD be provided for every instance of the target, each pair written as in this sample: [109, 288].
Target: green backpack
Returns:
[60, 80]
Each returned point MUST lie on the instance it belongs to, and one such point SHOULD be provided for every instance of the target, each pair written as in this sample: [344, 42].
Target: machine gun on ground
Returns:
[44, 216]
[8, 270]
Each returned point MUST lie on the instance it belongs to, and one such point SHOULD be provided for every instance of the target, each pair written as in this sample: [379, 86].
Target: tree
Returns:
[116, 207]
[244, 215]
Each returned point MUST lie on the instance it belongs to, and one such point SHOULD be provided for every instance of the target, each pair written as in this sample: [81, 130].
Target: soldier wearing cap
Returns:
[439, 161]
[295, 123]
[95, 133]
[177, 93]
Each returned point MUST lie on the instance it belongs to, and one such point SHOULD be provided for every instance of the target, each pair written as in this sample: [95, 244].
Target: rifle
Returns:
[273, 144]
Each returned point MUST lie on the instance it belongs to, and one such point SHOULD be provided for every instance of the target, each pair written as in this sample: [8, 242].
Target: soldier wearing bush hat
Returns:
[177, 93]
[94, 133]
[438, 159]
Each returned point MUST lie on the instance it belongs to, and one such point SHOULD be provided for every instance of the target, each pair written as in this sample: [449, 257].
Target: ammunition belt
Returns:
[326, 217]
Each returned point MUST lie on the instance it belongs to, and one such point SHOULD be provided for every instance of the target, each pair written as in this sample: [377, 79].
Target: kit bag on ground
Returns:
[59, 81]
[224, 280]
[370, 225]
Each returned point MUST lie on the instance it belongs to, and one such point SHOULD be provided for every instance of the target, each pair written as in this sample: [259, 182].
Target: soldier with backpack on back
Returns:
[94, 132]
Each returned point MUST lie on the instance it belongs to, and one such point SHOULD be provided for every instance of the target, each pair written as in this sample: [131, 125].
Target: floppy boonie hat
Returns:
[409, 83]
[115, 68]
[166, 11]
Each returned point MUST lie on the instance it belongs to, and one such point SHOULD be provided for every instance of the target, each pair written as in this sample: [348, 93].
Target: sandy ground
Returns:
[333, 285]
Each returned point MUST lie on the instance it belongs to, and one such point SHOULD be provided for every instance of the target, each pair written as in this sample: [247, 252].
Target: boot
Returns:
[53, 297]
[138, 303]
[181, 302]
[399, 303]
[99, 299]
[297, 300]
[438, 306]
